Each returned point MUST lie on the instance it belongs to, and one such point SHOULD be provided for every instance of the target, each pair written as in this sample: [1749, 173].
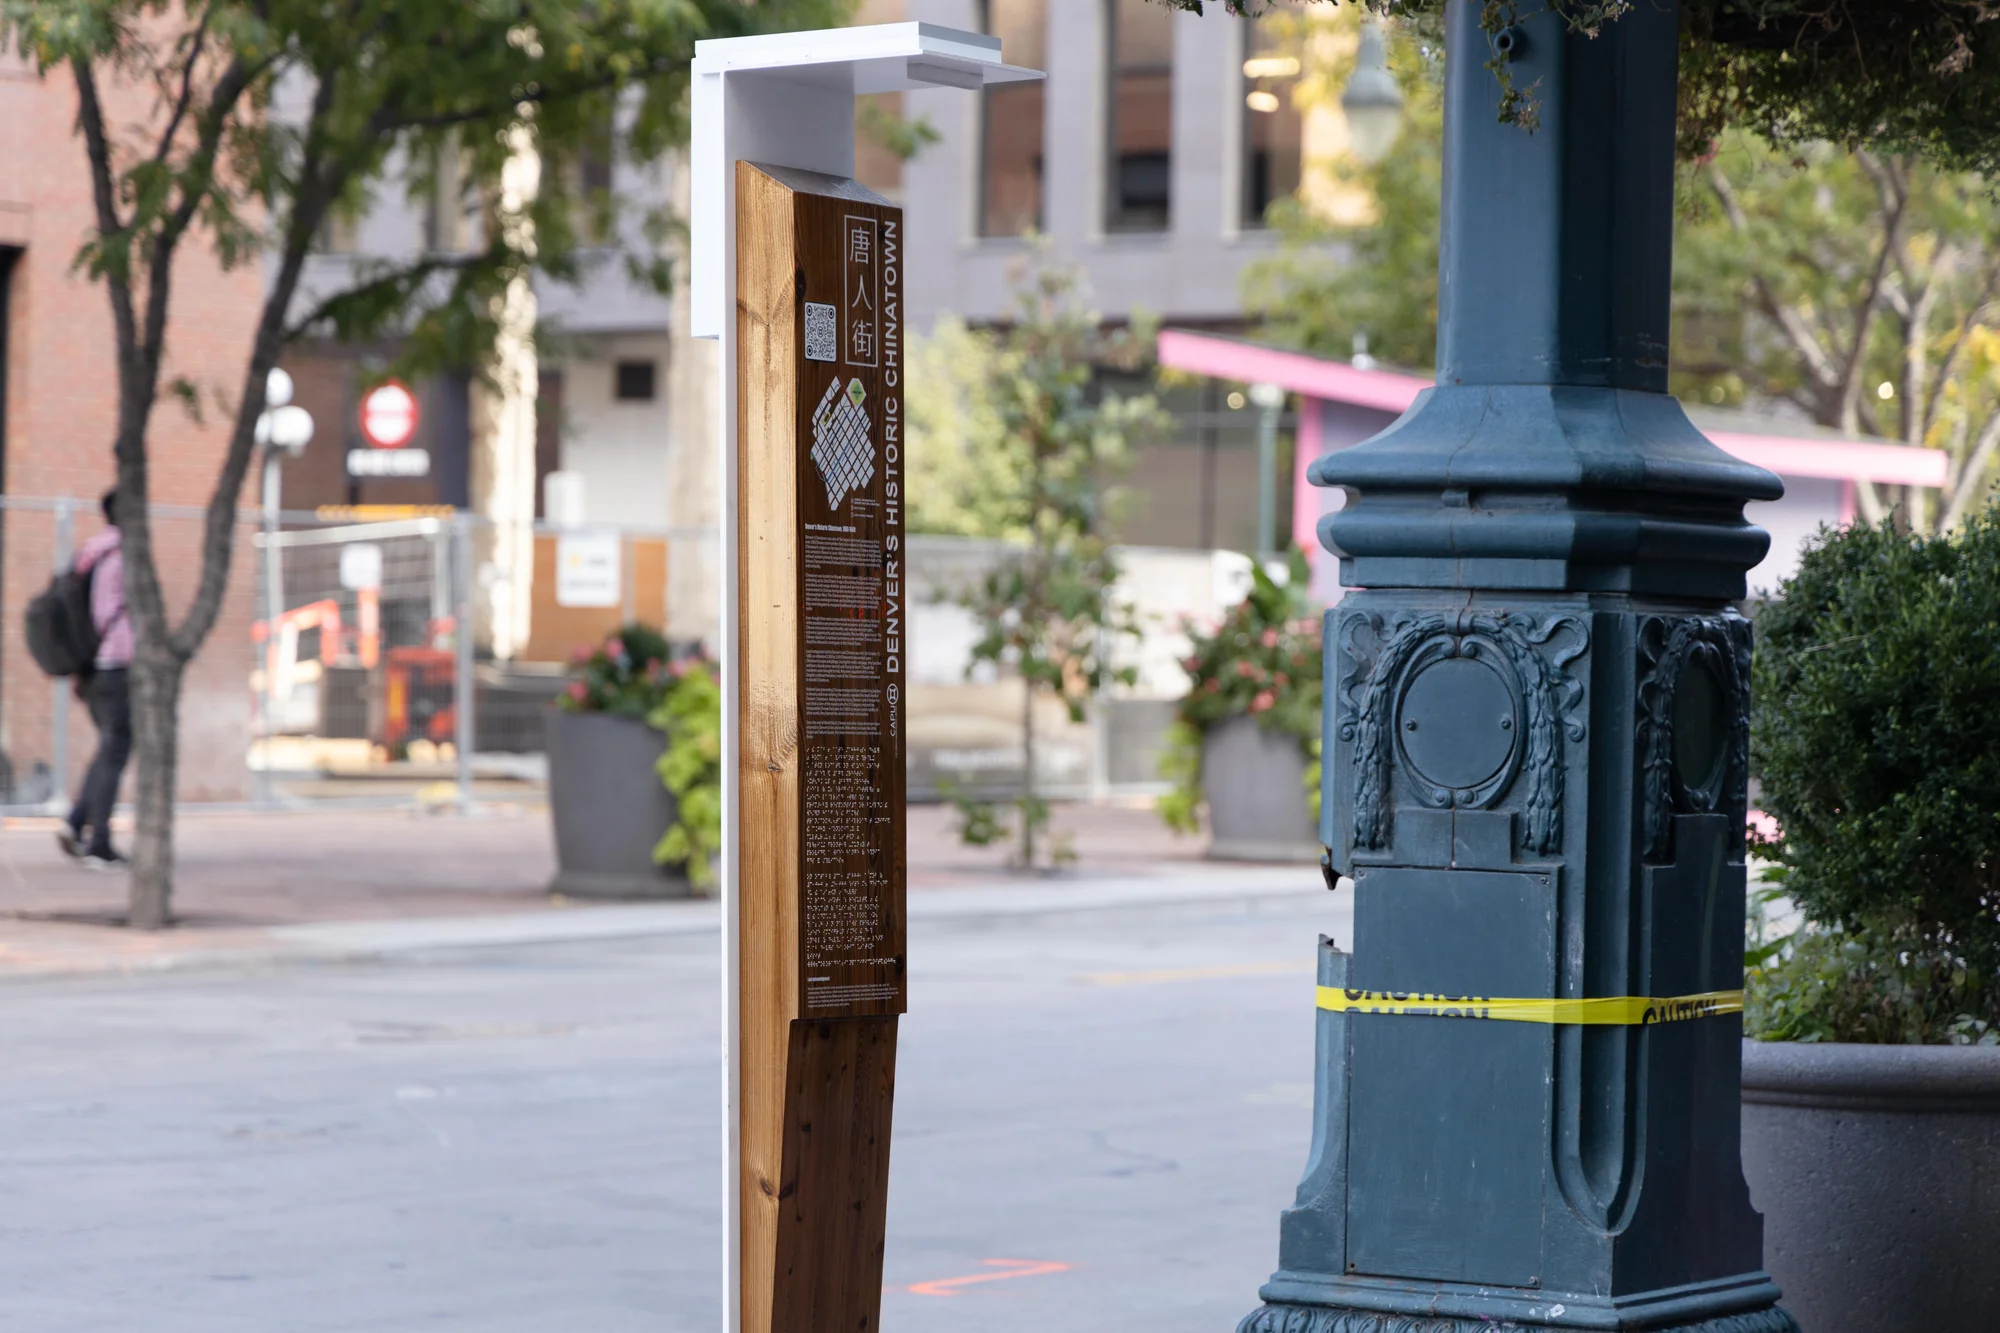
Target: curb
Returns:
[362, 942]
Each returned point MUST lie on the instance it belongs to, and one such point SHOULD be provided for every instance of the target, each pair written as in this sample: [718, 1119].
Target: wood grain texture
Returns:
[833, 1202]
[768, 685]
[815, 1095]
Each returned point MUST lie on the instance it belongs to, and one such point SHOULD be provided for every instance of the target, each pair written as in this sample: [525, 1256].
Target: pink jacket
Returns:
[105, 554]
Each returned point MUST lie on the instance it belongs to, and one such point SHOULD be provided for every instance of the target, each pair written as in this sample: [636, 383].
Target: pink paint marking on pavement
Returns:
[1009, 1268]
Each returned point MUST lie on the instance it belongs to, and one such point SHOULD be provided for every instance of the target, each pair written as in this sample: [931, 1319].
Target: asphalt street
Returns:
[1099, 1116]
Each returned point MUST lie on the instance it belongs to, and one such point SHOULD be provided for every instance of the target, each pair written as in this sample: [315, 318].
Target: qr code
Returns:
[822, 338]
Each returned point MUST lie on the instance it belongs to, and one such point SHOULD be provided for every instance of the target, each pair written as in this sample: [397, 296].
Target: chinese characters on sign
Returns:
[861, 258]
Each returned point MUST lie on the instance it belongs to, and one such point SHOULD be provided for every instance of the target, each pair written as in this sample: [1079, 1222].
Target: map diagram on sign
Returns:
[841, 449]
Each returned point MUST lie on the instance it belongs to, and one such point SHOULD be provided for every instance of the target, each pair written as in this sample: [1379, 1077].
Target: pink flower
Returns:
[1270, 638]
[679, 669]
[578, 691]
[579, 654]
[1190, 663]
[1264, 700]
[1212, 686]
[1281, 680]
[1245, 670]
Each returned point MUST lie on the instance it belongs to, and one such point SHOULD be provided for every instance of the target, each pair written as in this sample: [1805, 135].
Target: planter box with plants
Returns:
[1871, 1088]
[635, 755]
[1243, 743]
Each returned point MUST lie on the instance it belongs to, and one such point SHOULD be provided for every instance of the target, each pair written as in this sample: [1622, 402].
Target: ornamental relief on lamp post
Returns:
[1467, 706]
[1694, 724]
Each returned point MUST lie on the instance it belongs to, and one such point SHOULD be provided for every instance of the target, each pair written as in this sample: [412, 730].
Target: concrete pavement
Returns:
[1100, 1112]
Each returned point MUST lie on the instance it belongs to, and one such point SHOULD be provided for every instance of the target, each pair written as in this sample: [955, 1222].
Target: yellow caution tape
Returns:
[1620, 1010]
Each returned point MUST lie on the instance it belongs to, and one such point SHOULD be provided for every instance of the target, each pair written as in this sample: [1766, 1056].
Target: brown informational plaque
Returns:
[821, 867]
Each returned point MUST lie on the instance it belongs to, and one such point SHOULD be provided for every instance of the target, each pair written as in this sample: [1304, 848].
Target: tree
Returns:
[1916, 77]
[957, 450]
[1853, 288]
[263, 120]
[1870, 283]
[1018, 442]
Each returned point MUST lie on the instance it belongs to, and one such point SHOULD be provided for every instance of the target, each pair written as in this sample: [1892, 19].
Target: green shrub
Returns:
[690, 713]
[1876, 741]
[1837, 985]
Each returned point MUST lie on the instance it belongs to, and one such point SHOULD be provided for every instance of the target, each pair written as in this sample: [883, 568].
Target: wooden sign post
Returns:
[798, 270]
[820, 758]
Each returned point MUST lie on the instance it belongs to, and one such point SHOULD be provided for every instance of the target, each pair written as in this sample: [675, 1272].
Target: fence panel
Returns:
[352, 662]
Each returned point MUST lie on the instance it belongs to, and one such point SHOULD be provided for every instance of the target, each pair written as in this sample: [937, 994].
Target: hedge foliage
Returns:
[1876, 743]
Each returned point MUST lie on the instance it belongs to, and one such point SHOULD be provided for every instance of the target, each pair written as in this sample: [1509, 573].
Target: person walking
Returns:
[86, 835]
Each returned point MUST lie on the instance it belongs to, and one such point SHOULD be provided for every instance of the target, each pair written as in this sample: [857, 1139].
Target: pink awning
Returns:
[1393, 391]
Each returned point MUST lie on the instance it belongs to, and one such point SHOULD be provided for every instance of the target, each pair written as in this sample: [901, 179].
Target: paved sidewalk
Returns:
[263, 889]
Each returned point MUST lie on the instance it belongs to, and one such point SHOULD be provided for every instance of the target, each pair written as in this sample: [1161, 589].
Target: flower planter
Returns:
[609, 806]
[1254, 783]
[1877, 1169]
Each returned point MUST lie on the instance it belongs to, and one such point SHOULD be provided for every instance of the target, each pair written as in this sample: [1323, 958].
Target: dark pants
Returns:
[111, 711]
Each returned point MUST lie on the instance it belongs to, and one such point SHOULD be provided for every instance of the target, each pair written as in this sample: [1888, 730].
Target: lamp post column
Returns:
[1536, 741]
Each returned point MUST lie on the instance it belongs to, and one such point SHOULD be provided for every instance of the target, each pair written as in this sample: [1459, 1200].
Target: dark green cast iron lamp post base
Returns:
[1536, 751]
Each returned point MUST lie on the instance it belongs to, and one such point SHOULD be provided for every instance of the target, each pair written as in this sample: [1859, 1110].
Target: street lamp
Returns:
[1535, 763]
[1373, 102]
[284, 430]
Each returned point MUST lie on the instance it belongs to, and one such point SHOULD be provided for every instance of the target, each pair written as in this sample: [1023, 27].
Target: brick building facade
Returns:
[60, 410]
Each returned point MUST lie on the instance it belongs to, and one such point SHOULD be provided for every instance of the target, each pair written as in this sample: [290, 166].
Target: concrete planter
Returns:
[1877, 1169]
[1254, 782]
[609, 806]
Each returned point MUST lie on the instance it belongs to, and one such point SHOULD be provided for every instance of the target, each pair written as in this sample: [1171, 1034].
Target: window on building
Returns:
[636, 381]
[1011, 123]
[1273, 130]
[1139, 115]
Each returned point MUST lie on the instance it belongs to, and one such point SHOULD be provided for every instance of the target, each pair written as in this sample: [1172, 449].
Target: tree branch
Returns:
[1819, 365]
[104, 196]
[1972, 476]
[1869, 501]
[186, 98]
[1893, 203]
[318, 188]
[197, 183]
[385, 124]
[1916, 349]
[1949, 366]
[400, 276]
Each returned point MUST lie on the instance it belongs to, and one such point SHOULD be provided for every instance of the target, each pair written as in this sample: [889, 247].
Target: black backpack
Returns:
[62, 636]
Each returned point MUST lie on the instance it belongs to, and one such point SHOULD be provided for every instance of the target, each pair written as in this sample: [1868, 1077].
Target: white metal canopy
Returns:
[788, 99]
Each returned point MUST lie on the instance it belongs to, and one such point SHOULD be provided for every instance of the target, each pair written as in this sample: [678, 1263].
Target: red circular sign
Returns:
[389, 415]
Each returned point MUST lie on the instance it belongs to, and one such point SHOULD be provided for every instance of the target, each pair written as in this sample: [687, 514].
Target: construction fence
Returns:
[390, 656]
